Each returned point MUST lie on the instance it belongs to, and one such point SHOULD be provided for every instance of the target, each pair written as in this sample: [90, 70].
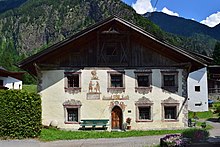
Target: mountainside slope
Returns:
[182, 26]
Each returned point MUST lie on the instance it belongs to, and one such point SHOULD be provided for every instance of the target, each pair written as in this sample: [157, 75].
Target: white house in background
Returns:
[198, 90]
[10, 80]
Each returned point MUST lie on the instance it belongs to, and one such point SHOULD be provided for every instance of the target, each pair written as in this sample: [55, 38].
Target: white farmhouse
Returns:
[113, 71]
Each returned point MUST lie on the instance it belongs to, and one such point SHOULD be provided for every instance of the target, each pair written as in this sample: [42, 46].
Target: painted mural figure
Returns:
[97, 87]
[90, 86]
[94, 75]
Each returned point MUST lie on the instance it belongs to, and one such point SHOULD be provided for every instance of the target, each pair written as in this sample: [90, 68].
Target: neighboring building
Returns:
[214, 82]
[10, 80]
[114, 70]
[198, 90]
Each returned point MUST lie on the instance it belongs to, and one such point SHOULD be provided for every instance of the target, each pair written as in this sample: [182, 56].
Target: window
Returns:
[170, 108]
[144, 113]
[197, 88]
[170, 80]
[72, 82]
[116, 81]
[170, 112]
[1, 82]
[72, 114]
[143, 110]
[143, 81]
[72, 111]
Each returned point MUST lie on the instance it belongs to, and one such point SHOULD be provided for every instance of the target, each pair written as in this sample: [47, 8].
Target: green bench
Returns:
[94, 123]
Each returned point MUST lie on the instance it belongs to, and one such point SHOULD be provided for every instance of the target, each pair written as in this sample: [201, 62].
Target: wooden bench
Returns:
[94, 123]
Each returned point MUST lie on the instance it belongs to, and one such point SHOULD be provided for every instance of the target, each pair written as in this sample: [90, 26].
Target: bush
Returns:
[20, 114]
[196, 135]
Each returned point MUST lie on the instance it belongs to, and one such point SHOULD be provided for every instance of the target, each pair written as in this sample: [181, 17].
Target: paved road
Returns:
[113, 142]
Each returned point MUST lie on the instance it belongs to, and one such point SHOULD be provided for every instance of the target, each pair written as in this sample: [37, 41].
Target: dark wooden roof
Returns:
[16, 75]
[165, 48]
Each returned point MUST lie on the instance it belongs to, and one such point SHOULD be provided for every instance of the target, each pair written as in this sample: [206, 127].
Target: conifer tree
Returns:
[216, 53]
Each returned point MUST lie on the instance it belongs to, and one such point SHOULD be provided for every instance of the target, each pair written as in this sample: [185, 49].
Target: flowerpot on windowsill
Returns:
[128, 127]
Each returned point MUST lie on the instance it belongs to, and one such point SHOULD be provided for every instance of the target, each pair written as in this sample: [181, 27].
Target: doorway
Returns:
[116, 118]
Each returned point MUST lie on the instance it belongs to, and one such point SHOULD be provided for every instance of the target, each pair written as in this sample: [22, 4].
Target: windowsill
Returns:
[120, 89]
[170, 120]
[144, 121]
[74, 89]
[147, 89]
[71, 122]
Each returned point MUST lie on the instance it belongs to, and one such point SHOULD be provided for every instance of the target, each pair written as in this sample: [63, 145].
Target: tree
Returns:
[216, 53]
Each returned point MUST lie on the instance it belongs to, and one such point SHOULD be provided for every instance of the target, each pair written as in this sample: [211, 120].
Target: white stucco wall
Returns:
[54, 95]
[198, 78]
[9, 81]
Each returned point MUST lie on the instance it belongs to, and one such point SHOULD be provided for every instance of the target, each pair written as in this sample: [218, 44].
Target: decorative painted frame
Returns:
[169, 102]
[72, 89]
[174, 88]
[143, 90]
[72, 104]
[116, 89]
[144, 102]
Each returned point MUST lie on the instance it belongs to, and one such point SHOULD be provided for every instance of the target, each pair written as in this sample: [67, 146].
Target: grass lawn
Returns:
[54, 134]
[30, 88]
[201, 115]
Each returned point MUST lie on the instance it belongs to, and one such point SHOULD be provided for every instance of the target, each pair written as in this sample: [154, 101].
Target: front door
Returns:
[116, 118]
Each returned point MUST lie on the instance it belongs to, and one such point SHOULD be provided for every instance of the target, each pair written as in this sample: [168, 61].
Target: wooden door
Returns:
[116, 118]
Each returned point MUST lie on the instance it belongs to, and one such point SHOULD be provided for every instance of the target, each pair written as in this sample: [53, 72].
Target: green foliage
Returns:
[20, 114]
[216, 53]
[55, 134]
[30, 88]
[196, 134]
[200, 115]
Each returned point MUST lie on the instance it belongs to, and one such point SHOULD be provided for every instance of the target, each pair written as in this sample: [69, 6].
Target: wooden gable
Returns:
[111, 43]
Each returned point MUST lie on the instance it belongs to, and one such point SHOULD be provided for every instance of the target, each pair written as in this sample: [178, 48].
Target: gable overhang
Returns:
[30, 64]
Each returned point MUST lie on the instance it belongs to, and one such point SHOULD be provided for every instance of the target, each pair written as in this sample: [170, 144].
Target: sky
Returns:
[204, 11]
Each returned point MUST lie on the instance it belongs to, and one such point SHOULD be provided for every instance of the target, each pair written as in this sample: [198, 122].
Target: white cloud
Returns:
[143, 6]
[169, 12]
[212, 20]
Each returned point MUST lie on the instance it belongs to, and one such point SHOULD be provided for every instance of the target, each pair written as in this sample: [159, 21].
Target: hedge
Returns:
[20, 114]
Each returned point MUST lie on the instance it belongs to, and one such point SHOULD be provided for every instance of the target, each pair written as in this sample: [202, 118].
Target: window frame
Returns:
[142, 103]
[66, 84]
[173, 88]
[118, 89]
[145, 89]
[170, 102]
[69, 105]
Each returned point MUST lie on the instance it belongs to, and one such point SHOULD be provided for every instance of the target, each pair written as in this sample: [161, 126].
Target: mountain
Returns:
[36, 24]
[10, 4]
[182, 26]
